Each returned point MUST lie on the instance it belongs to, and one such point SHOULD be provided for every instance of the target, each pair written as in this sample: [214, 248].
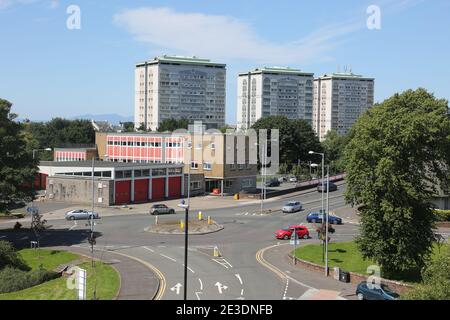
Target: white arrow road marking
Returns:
[201, 284]
[146, 248]
[176, 288]
[220, 287]
[239, 278]
[167, 257]
[198, 295]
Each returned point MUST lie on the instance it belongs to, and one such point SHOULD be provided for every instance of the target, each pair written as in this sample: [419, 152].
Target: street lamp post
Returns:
[323, 208]
[326, 227]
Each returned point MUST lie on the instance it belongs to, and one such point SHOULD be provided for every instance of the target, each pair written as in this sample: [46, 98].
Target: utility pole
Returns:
[92, 239]
[327, 213]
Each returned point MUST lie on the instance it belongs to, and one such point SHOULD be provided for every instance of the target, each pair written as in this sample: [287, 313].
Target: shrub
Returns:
[10, 258]
[12, 279]
[17, 226]
[442, 215]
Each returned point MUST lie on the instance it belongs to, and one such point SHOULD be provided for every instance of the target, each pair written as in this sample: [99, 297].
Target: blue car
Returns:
[316, 217]
[380, 292]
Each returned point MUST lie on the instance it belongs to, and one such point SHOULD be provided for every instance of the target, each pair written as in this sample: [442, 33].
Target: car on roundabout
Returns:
[158, 209]
[81, 214]
[286, 233]
[292, 206]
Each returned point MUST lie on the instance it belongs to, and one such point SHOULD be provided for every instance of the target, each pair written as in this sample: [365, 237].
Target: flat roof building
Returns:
[181, 88]
[273, 91]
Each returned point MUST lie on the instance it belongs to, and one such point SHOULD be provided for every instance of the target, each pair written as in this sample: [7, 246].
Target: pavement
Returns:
[138, 279]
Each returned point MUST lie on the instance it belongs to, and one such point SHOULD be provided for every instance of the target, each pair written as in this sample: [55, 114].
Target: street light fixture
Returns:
[323, 209]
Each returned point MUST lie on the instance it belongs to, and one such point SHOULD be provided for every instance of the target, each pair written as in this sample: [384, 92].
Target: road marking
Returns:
[198, 295]
[286, 289]
[201, 284]
[240, 279]
[176, 288]
[223, 263]
[242, 292]
[220, 287]
[148, 249]
[167, 257]
[189, 269]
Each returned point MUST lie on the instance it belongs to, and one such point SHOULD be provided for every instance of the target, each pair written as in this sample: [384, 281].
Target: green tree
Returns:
[17, 167]
[173, 124]
[435, 280]
[296, 138]
[397, 150]
[333, 145]
[128, 126]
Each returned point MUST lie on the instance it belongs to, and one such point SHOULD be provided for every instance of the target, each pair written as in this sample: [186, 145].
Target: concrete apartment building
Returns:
[339, 100]
[180, 88]
[273, 91]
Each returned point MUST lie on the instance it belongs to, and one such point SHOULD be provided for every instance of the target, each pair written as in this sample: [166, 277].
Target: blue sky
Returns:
[47, 70]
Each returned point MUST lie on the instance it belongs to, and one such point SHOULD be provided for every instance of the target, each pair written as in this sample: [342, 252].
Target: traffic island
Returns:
[177, 227]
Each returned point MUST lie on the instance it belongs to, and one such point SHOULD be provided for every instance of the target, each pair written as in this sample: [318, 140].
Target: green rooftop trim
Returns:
[182, 60]
[280, 70]
[345, 75]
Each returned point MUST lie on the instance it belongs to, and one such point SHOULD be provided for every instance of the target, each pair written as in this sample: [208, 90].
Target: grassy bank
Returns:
[346, 256]
[104, 278]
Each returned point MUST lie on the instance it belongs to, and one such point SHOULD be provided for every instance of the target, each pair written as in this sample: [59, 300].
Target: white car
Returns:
[293, 179]
[81, 215]
[292, 206]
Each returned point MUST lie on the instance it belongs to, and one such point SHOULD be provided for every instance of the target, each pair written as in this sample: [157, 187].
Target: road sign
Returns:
[81, 284]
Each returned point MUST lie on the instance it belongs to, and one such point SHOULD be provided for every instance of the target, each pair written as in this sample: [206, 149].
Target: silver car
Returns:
[81, 215]
[292, 206]
[161, 209]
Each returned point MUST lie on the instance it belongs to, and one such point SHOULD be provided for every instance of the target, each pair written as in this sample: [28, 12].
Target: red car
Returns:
[302, 232]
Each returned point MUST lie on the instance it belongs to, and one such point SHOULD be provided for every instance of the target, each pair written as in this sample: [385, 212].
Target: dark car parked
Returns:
[316, 217]
[273, 183]
[376, 292]
[332, 186]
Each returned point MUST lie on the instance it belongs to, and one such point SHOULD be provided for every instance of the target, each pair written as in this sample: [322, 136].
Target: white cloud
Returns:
[225, 37]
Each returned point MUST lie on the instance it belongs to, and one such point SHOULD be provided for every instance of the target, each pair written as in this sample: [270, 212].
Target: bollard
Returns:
[181, 224]
[209, 220]
[200, 218]
[216, 252]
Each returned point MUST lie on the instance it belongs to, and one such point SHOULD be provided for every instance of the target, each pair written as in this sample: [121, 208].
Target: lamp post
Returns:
[323, 209]
[326, 227]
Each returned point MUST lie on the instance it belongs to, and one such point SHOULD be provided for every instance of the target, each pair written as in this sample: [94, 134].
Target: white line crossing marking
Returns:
[167, 257]
[201, 284]
[148, 249]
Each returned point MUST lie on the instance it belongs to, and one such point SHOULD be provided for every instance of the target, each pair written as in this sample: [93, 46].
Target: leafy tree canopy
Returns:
[173, 124]
[396, 149]
[17, 166]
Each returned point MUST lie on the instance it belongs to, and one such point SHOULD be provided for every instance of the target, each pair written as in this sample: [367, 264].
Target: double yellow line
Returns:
[264, 263]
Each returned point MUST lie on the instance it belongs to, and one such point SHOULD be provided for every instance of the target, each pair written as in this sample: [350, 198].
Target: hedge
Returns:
[442, 215]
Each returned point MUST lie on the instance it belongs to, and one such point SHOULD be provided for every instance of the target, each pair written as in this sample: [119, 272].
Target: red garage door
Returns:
[141, 190]
[158, 189]
[123, 192]
[175, 187]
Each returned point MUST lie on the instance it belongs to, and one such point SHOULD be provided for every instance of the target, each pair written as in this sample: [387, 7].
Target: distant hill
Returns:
[111, 118]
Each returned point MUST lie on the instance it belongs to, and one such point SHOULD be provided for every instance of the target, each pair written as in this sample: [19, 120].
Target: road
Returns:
[236, 274]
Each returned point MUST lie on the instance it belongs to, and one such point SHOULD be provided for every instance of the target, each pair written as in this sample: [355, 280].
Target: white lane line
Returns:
[198, 295]
[74, 226]
[240, 279]
[242, 292]
[148, 249]
[167, 257]
[189, 269]
[286, 288]
[201, 284]
[223, 263]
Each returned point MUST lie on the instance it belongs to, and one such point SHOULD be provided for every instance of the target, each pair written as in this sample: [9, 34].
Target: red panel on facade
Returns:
[123, 192]
[141, 190]
[158, 189]
[175, 187]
